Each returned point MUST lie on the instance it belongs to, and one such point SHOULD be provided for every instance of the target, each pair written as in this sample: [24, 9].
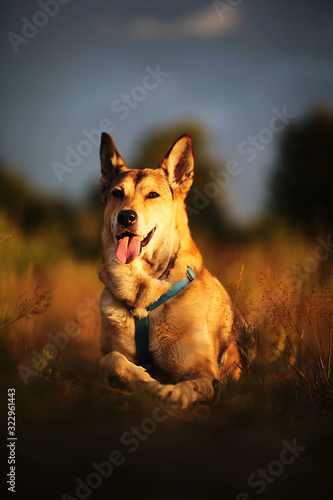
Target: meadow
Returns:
[69, 418]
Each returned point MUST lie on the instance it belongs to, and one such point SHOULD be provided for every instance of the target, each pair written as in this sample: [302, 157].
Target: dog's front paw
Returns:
[175, 396]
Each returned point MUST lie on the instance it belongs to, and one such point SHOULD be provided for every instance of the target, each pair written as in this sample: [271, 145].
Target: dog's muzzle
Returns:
[129, 244]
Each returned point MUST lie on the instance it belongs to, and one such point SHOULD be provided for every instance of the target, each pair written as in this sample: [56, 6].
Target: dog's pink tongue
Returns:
[128, 249]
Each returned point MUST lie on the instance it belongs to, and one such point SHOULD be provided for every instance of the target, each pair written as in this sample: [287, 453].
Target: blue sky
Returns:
[228, 69]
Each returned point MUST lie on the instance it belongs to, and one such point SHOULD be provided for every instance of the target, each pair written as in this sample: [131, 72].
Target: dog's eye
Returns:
[117, 193]
[152, 194]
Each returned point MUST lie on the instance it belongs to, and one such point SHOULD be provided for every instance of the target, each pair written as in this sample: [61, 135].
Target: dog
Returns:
[166, 321]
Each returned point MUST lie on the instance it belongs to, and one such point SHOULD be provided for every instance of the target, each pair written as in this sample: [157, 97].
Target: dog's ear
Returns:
[111, 163]
[178, 164]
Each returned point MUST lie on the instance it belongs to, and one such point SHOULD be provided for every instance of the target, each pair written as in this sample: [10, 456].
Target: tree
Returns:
[302, 184]
[27, 206]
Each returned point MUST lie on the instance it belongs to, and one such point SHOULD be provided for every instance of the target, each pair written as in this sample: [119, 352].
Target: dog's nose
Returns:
[127, 217]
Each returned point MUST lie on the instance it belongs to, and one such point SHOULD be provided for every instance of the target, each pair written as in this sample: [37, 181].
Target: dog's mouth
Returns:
[129, 245]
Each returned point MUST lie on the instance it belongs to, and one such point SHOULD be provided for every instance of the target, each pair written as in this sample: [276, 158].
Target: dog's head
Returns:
[140, 204]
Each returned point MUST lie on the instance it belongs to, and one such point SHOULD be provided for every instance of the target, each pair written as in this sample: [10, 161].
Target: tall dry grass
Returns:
[282, 287]
[286, 305]
[43, 290]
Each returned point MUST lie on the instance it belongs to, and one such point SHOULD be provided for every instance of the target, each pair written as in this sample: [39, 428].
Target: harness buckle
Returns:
[190, 274]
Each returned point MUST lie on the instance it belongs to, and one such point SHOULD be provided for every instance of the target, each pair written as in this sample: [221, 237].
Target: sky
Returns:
[243, 70]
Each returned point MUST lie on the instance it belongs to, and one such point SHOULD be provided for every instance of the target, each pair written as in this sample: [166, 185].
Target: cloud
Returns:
[203, 24]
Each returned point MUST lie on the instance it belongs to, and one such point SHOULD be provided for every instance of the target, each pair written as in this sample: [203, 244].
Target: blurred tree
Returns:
[28, 207]
[205, 201]
[74, 228]
[86, 235]
[302, 184]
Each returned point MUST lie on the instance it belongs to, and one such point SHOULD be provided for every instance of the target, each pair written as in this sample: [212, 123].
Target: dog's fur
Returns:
[187, 334]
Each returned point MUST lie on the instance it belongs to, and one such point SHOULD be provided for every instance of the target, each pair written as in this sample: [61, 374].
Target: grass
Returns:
[287, 324]
[285, 359]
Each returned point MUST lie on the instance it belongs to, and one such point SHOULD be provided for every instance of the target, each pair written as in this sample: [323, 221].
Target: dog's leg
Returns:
[200, 387]
[181, 395]
[116, 365]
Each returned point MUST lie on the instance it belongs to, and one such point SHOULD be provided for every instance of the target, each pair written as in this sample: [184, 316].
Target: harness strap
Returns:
[143, 354]
[173, 290]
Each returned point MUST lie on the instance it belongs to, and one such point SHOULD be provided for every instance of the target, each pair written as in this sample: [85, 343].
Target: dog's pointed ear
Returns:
[179, 163]
[111, 163]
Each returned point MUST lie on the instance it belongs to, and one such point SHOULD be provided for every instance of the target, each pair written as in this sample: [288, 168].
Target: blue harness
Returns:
[143, 355]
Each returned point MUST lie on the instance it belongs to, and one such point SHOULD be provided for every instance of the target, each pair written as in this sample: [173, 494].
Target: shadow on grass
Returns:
[69, 424]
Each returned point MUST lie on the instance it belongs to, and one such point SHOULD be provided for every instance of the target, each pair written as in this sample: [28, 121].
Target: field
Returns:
[268, 435]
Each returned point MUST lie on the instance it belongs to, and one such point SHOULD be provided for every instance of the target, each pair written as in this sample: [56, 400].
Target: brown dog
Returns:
[147, 251]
